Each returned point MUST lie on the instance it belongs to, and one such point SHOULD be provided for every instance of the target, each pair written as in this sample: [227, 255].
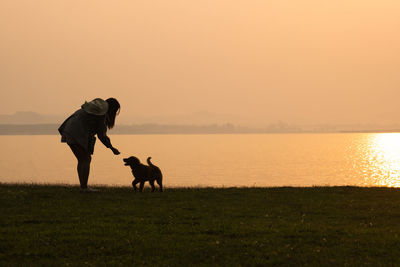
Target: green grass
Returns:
[57, 225]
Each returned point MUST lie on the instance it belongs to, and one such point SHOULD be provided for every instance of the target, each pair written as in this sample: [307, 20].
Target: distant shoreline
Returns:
[51, 129]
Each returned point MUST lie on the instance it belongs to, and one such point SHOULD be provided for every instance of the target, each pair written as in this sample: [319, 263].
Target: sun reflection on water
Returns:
[383, 159]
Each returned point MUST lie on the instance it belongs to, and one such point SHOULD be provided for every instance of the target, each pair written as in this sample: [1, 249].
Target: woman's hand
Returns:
[115, 151]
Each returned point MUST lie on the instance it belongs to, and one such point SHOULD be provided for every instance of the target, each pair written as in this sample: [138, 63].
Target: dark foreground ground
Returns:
[56, 225]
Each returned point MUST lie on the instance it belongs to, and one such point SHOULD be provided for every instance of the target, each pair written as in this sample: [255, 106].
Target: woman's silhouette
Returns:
[79, 131]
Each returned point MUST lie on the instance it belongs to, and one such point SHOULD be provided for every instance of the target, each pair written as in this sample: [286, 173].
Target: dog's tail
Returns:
[149, 162]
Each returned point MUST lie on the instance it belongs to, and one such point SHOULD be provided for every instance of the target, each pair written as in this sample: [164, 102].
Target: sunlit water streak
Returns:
[380, 159]
[215, 160]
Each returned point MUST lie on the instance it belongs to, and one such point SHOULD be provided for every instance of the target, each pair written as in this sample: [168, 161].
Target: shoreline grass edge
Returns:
[251, 226]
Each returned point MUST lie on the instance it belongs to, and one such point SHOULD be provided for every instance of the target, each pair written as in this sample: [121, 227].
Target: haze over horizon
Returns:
[257, 62]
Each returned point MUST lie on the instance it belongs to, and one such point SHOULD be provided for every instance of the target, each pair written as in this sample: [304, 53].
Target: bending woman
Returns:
[79, 131]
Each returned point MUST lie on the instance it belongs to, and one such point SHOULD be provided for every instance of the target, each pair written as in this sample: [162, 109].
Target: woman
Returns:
[79, 129]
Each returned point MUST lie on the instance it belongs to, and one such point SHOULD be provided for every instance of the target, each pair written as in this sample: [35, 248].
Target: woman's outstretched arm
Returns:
[102, 135]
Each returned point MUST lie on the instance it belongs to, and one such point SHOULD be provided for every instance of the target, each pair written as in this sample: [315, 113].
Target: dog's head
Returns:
[131, 161]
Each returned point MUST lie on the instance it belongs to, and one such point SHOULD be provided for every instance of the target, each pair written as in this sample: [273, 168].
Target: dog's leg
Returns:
[134, 183]
[159, 182]
[152, 185]
[141, 186]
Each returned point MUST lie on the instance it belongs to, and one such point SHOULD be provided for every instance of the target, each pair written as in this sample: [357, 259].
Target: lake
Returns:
[214, 160]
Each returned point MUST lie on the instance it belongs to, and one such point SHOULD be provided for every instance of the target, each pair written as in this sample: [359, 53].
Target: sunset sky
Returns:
[254, 61]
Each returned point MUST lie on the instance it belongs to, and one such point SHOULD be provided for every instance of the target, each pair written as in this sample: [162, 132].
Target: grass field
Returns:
[58, 225]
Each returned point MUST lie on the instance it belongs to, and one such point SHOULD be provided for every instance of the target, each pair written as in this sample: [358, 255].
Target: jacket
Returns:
[81, 127]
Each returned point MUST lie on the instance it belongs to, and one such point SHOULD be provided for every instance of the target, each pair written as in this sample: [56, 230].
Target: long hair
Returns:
[113, 111]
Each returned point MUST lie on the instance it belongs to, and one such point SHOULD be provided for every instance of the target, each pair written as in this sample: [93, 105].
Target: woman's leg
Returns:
[84, 158]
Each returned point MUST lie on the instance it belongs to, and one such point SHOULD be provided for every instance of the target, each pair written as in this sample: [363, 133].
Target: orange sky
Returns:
[258, 60]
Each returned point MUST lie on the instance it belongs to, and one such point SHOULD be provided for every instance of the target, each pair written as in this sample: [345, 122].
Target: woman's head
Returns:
[113, 111]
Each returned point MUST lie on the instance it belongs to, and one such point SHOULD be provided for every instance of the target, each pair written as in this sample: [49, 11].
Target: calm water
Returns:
[215, 160]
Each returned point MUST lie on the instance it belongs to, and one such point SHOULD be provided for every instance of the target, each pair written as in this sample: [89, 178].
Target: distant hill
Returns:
[29, 117]
[49, 129]
[199, 123]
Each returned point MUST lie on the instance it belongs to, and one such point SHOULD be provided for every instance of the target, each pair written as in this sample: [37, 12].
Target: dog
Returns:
[143, 173]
